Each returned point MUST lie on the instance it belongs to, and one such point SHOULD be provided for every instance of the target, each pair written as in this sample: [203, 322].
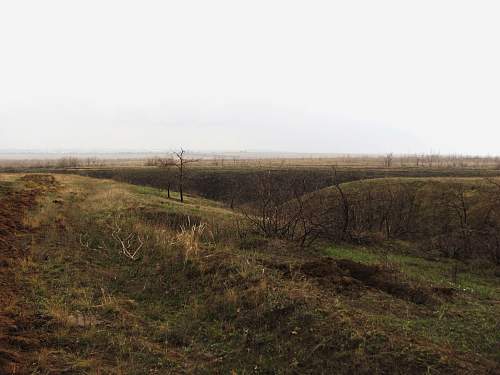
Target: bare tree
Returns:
[69, 162]
[181, 163]
[167, 164]
[388, 160]
[345, 203]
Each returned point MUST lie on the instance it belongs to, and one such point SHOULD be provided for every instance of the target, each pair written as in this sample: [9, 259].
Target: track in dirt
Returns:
[17, 340]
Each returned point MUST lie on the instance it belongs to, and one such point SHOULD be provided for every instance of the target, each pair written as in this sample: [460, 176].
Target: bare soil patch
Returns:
[17, 336]
[347, 275]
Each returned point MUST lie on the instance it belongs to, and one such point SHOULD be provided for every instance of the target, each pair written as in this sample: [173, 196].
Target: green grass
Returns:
[8, 186]
[217, 309]
[482, 283]
[190, 202]
[467, 322]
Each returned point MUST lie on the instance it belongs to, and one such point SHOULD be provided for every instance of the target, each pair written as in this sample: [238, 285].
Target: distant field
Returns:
[245, 160]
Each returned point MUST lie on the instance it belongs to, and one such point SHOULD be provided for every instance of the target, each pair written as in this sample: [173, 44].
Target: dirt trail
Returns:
[17, 338]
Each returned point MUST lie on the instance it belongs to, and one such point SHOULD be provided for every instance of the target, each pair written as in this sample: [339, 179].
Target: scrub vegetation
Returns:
[296, 273]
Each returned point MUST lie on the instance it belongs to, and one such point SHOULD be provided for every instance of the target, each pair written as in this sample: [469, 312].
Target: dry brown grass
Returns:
[187, 305]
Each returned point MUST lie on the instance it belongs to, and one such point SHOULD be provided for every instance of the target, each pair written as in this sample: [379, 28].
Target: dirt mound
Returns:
[46, 180]
[344, 273]
[40, 183]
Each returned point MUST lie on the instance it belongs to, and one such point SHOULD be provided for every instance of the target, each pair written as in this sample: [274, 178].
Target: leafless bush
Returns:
[129, 241]
[458, 220]
[282, 208]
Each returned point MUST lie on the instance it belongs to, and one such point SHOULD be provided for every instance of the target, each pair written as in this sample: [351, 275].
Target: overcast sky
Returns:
[307, 76]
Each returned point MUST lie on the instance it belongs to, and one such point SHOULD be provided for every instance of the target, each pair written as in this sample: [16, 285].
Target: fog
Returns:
[300, 76]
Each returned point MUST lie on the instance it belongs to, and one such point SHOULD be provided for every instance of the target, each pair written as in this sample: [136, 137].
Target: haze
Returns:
[300, 76]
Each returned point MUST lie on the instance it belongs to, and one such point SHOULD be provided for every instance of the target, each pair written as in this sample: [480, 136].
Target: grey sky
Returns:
[307, 76]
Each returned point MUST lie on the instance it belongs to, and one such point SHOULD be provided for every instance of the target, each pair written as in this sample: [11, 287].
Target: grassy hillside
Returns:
[120, 279]
[450, 217]
[235, 183]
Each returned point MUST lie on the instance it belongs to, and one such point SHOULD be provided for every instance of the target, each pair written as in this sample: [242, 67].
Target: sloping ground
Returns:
[221, 183]
[454, 217]
[423, 185]
[17, 339]
[129, 282]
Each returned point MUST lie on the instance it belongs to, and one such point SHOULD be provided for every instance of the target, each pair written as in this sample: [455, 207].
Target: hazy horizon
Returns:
[357, 77]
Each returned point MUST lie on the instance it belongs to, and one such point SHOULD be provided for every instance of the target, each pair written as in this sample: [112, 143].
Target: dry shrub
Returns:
[174, 220]
[113, 198]
[190, 240]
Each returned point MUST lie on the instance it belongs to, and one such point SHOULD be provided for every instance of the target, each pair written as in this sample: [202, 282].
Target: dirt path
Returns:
[18, 339]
